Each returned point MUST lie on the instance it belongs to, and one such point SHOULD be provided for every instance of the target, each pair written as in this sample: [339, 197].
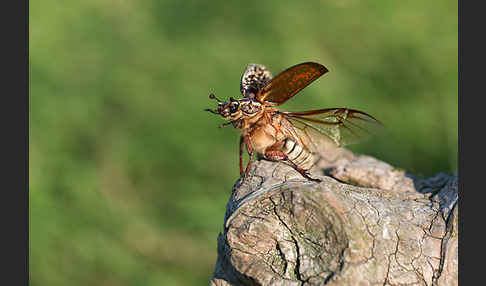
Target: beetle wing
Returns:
[333, 126]
[289, 82]
[254, 78]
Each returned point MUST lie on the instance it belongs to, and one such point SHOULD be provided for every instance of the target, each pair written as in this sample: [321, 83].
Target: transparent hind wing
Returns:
[333, 127]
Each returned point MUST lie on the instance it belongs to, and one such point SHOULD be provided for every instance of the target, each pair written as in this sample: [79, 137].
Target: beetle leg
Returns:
[250, 152]
[276, 155]
[242, 142]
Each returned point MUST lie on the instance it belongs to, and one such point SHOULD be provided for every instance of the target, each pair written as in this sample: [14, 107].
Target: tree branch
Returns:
[366, 223]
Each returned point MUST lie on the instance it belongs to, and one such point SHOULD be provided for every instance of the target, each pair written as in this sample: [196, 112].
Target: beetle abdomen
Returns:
[298, 154]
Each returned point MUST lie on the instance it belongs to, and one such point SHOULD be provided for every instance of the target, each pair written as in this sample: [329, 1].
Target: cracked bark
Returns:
[366, 223]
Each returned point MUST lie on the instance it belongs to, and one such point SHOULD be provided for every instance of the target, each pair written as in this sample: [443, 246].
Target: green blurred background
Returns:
[129, 177]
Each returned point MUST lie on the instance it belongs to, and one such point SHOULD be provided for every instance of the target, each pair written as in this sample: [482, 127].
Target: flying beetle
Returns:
[289, 137]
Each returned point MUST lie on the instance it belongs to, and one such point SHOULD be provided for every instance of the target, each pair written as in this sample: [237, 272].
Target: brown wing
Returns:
[289, 82]
[332, 126]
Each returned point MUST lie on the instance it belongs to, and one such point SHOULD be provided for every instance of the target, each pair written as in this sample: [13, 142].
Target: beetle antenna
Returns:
[212, 111]
[212, 96]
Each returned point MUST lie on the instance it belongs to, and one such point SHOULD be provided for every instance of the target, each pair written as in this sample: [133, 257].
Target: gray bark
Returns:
[366, 223]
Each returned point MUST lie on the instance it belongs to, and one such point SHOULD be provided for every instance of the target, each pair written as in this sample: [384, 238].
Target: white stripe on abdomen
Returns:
[298, 154]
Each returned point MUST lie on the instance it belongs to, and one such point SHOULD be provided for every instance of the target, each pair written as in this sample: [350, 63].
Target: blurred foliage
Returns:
[129, 177]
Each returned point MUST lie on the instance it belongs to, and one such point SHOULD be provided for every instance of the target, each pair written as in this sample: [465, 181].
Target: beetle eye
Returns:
[233, 108]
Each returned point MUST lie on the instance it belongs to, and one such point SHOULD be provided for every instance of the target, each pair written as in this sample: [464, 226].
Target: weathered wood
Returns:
[366, 223]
